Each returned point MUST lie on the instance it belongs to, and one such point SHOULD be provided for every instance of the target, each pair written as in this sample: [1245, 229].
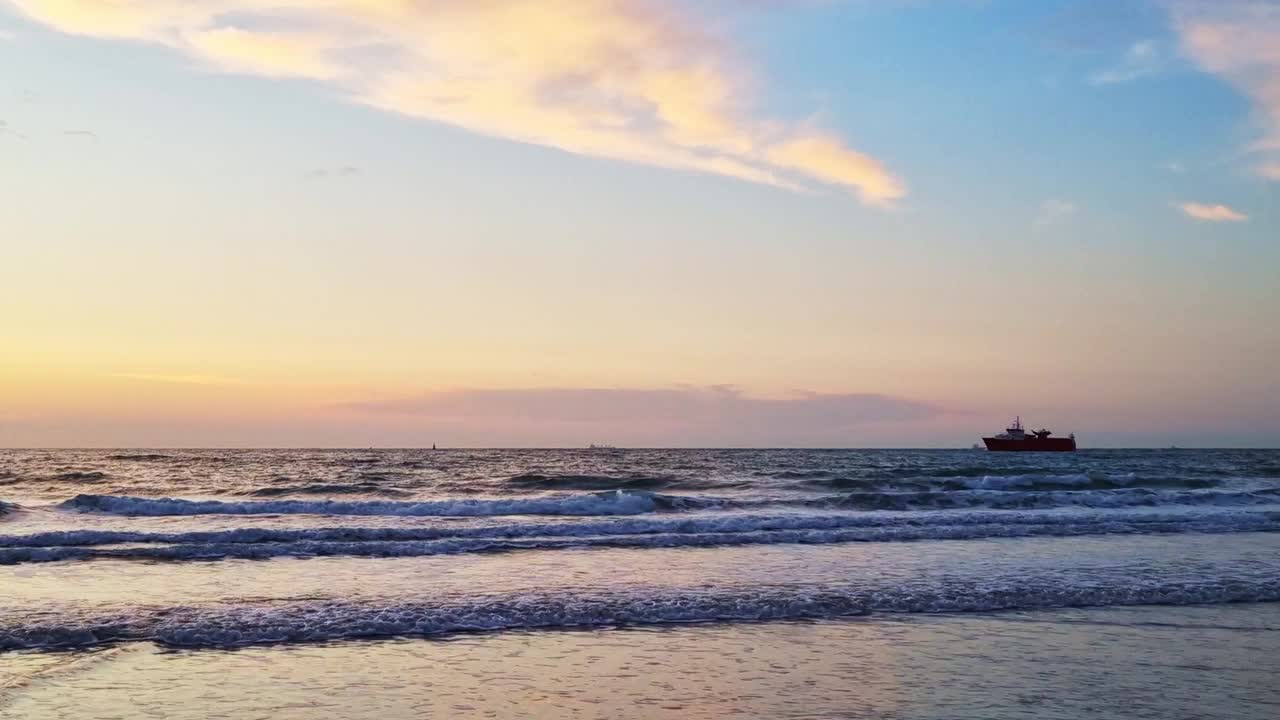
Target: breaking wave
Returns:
[606, 503]
[636, 502]
[638, 533]
[311, 621]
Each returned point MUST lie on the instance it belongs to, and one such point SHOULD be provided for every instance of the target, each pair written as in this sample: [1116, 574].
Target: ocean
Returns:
[639, 583]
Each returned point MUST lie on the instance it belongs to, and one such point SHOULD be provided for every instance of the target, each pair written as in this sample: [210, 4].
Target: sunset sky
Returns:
[644, 222]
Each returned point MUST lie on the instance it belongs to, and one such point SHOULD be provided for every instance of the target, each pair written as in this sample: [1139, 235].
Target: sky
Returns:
[808, 223]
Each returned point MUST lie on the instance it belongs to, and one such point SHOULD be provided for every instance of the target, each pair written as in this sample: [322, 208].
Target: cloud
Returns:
[1141, 59]
[1054, 210]
[7, 35]
[1239, 41]
[346, 171]
[642, 81]
[273, 54]
[91, 135]
[1270, 171]
[1175, 167]
[1212, 213]
[719, 413]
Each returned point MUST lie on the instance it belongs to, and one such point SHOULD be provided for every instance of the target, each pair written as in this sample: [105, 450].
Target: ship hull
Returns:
[1031, 444]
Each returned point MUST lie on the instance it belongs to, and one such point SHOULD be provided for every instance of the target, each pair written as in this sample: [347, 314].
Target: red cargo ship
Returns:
[1016, 439]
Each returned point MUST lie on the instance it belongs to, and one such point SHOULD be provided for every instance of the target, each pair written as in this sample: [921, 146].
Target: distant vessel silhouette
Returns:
[594, 446]
[1015, 439]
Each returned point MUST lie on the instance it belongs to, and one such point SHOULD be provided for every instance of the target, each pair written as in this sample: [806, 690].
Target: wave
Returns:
[345, 461]
[590, 482]
[261, 543]
[605, 503]
[1041, 499]
[635, 502]
[360, 488]
[1242, 520]
[254, 623]
[91, 476]
[799, 474]
[1078, 481]
[1027, 481]
[141, 457]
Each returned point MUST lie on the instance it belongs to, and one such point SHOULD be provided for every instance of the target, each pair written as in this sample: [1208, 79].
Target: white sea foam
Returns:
[698, 524]
[603, 503]
[639, 502]
[319, 621]
[259, 543]
[1045, 482]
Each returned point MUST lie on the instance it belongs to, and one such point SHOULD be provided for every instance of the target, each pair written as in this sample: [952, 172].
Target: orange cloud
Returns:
[640, 81]
[1212, 213]
[274, 54]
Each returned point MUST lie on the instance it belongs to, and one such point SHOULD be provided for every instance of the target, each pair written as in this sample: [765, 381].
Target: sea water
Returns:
[639, 583]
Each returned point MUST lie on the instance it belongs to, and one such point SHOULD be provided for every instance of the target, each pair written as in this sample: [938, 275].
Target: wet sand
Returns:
[1141, 662]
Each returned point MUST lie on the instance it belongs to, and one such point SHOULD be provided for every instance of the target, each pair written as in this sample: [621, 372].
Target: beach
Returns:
[1103, 663]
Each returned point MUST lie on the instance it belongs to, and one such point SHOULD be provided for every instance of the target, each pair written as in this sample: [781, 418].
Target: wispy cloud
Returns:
[1140, 60]
[1055, 210]
[1270, 171]
[88, 134]
[7, 35]
[273, 54]
[1212, 213]
[345, 171]
[722, 413]
[1239, 41]
[1175, 167]
[643, 81]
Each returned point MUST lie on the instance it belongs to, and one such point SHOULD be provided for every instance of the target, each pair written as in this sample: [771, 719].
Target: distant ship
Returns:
[1015, 439]
[594, 446]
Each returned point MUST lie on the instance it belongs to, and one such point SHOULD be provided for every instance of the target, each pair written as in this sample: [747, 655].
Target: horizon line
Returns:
[601, 449]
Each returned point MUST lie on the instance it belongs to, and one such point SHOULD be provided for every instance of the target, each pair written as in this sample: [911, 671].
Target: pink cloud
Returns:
[1212, 213]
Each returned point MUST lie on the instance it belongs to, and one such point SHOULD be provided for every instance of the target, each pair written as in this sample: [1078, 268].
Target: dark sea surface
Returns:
[640, 583]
